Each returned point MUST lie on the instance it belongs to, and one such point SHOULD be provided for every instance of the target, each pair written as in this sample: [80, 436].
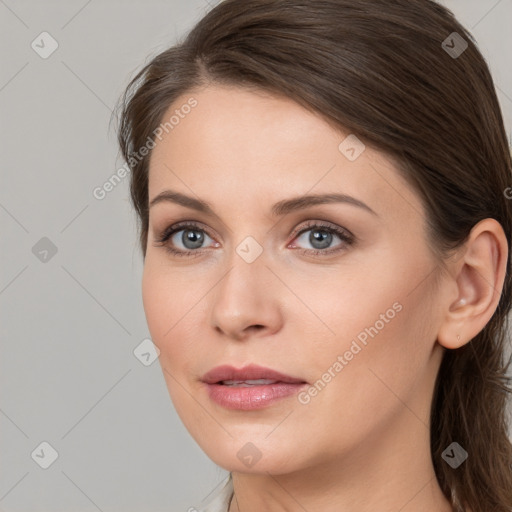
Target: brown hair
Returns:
[378, 69]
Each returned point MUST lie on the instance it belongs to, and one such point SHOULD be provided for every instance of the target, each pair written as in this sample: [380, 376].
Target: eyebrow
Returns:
[280, 208]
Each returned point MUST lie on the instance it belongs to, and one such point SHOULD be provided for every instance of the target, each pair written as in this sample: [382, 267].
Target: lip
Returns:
[253, 397]
[250, 372]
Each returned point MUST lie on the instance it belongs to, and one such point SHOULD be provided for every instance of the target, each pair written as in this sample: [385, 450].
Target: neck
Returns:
[391, 472]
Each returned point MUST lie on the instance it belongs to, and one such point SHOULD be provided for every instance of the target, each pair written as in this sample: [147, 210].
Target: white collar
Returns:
[219, 500]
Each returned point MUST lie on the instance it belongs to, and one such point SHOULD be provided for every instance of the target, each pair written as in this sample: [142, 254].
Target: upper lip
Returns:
[250, 372]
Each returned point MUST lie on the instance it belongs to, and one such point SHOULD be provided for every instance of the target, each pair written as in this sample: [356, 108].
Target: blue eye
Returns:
[321, 237]
[190, 235]
[189, 239]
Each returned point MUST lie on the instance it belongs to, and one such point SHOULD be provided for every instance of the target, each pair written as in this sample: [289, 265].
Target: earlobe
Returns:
[453, 333]
[478, 277]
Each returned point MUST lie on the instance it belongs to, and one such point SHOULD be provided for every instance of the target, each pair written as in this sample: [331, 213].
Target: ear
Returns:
[478, 278]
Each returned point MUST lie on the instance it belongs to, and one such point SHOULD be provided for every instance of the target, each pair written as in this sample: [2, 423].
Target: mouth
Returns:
[251, 375]
[247, 383]
[249, 388]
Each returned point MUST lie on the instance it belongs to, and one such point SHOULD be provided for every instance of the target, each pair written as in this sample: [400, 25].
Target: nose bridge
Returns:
[246, 257]
[244, 296]
[246, 274]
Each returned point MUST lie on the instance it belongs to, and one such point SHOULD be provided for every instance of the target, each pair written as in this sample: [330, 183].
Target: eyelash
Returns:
[345, 236]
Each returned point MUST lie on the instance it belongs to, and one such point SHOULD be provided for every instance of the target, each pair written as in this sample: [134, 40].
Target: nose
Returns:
[246, 301]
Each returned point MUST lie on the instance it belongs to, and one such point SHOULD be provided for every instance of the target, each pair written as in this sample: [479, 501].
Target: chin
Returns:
[259, 455]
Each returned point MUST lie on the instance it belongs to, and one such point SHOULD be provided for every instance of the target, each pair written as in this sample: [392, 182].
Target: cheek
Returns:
[168, 310]
[355, 400]
[378, 335]
[157, 304]
[174, 302]
[164, 306]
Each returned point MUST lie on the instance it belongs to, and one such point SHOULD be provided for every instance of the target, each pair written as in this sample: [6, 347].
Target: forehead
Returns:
[255, 147]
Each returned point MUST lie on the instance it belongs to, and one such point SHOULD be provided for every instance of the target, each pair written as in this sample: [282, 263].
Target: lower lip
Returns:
[251, 397]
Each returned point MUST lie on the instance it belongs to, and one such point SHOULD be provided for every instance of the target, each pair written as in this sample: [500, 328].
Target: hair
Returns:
[378, 69]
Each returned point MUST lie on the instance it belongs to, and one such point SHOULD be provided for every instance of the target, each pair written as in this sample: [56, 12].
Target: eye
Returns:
[320, 236]
[190, 239]
[183, 239]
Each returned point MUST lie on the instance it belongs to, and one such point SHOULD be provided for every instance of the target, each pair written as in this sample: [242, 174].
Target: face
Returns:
[334, 293]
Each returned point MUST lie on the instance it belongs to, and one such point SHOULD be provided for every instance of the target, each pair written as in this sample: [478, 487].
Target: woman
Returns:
[322, 194]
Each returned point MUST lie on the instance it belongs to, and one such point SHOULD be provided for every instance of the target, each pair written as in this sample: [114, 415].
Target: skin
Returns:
[362, 443]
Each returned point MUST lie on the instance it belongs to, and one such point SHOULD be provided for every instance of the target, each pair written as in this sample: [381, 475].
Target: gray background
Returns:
[70, 324]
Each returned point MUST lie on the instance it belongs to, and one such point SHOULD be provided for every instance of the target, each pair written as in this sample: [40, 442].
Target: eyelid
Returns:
[168, 231]
[310, 224]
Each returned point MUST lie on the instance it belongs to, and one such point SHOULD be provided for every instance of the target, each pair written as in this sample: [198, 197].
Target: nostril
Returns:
[256, 327]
